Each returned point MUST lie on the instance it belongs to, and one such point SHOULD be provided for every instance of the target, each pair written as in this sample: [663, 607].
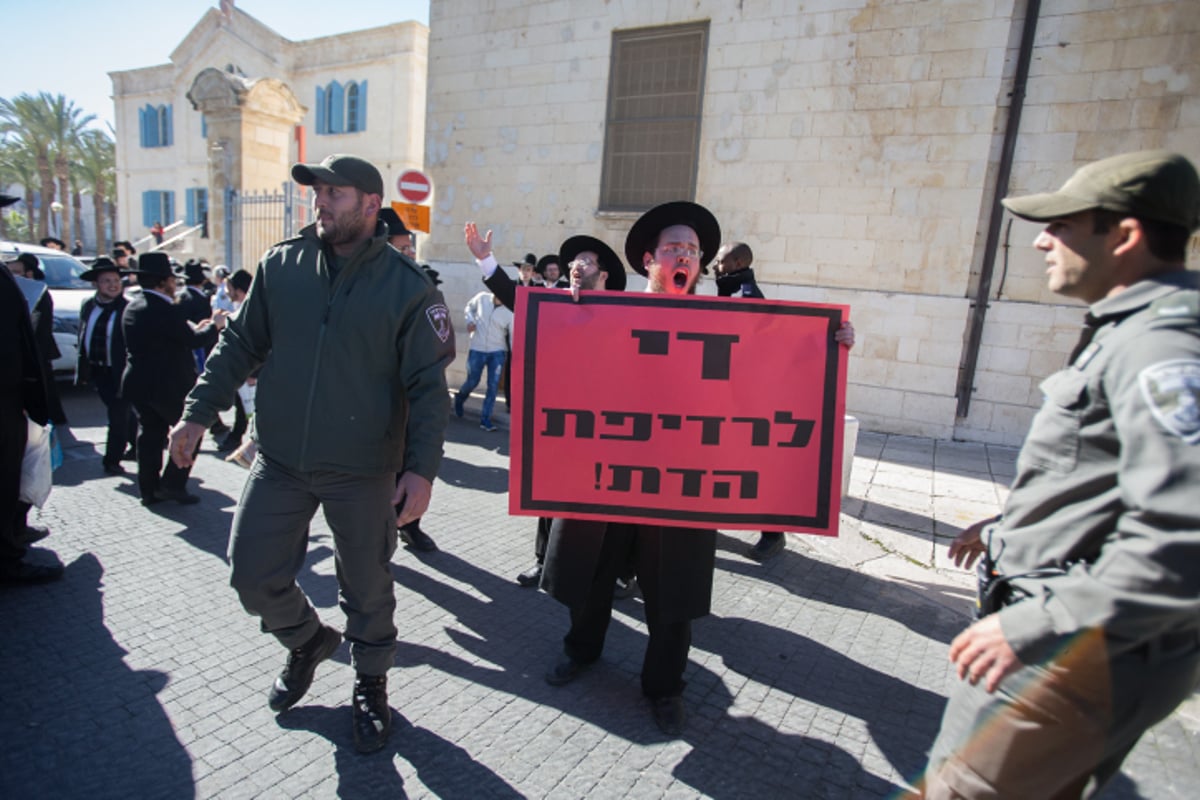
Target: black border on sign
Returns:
[833, 318]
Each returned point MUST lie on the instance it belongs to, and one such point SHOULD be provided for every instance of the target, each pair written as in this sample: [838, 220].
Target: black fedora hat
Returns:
[154, 264]
[551, 258]
[609, 261]
[643, 236]
[99, 266]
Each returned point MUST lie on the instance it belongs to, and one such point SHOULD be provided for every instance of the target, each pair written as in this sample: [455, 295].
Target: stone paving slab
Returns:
[821, 674]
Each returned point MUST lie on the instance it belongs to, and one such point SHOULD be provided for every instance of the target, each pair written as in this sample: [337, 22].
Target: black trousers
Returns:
[151, 441]
[14, 432]
[667, 650]
[122, 423]
[542, 539]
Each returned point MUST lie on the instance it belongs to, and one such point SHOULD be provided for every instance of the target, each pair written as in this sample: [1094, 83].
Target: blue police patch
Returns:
[439, 318]
[1172, 392]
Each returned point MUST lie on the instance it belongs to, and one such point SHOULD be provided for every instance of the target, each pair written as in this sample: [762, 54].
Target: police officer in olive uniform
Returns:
[1090, 580]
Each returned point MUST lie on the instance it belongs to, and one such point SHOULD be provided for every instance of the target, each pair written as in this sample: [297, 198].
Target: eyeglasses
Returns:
[689, 250]
[584, 262]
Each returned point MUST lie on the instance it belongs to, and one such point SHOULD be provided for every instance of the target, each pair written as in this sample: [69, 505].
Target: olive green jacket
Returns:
[352, 372]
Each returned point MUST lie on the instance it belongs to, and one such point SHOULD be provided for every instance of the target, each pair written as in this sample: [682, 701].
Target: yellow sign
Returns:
[414, 217]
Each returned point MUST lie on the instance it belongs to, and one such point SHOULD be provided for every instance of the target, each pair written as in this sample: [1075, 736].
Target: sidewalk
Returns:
[820, 674]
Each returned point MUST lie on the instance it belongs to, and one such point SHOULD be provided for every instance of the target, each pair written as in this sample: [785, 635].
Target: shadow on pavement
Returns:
[81, 723]
[609, 694]
[444, 768]
[844, 587]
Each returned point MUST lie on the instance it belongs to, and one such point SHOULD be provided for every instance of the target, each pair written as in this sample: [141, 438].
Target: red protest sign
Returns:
[686, 411]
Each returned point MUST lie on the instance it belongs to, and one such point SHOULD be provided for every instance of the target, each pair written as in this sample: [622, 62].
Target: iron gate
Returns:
[254, 221]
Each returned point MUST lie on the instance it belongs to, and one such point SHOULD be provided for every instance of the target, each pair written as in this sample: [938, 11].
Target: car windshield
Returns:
[63, 271]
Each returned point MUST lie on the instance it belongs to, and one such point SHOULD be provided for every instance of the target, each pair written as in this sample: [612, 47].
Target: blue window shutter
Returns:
[154, 126]
[142, 127]
[337, 108]
[351, 107]
[148, 203]
[362, 105]
[191, 207]
[322, 112]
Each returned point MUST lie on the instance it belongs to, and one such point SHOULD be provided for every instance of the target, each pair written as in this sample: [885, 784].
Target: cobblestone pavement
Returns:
[821, 674]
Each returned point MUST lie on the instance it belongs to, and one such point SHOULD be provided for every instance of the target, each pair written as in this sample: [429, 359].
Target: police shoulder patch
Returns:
[1171, 390]
[439, 318]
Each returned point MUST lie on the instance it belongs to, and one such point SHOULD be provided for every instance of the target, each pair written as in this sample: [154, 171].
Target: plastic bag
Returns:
[36, 473]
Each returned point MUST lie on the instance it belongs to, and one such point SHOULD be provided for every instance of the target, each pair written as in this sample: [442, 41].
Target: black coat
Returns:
[116, 348]
[740, 283]
[159, 342]
[195, 304]
[22, 375]
[679, 561]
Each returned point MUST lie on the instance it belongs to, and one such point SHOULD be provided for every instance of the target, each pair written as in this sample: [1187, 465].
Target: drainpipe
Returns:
[966, 373]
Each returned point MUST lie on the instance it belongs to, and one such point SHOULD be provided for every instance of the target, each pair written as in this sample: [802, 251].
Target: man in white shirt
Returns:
[489, 324]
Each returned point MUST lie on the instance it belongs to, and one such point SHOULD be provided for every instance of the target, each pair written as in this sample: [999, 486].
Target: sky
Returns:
[69, 46]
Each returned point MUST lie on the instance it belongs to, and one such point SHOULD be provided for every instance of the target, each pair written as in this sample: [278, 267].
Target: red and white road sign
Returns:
[414, 186]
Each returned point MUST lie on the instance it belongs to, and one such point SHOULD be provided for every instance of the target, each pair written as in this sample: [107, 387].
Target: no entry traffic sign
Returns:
[414, 186]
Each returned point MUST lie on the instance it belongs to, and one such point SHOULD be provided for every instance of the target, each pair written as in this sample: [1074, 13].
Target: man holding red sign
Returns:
[674, 566]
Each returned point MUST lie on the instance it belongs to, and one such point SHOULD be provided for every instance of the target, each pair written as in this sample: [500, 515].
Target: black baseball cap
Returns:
[341, 170]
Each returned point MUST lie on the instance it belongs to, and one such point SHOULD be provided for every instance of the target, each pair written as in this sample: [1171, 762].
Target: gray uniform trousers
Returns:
[1059, 731]
[270, 540]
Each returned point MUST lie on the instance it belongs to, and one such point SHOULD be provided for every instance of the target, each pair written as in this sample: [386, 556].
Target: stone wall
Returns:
[854, 145]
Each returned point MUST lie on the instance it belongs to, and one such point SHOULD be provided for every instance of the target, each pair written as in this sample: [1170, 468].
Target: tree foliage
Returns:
[44, 138]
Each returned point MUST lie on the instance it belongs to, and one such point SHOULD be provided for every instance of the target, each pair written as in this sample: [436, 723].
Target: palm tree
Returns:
[96, 169]
[16, 166]
[49, 127]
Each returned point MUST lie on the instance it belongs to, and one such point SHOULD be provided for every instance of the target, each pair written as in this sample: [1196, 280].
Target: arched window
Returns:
[341, 108]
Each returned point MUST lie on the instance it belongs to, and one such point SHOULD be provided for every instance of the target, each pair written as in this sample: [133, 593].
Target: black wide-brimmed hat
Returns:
[154, 264]
[550, 258]
[194, 272]
[643, 236]
[610, 262]
[530, 261]
[8, 200]
[395, 225]
[100, 266]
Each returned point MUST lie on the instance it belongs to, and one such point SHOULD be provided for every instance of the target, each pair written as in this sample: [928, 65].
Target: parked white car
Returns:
[68, 293]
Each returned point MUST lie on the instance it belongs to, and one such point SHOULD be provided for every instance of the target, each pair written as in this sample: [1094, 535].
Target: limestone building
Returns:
[860, 147]
[238, 103]
[856, 145]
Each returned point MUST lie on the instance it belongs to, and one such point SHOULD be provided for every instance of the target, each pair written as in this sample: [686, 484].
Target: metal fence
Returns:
[254, 221]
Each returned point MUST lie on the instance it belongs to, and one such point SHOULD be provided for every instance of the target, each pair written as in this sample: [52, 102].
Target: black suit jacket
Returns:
[22, 376]
[116, 347]
[195, 304]
[160, 370]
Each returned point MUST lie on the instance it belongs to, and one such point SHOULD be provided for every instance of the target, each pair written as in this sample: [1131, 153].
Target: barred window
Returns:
[652, 130]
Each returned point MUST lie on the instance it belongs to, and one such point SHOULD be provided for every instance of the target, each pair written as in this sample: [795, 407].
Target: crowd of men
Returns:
[1087, 630]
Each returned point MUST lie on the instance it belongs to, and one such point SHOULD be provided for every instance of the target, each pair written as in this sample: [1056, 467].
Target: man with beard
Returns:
[353, 339]
[593, 265]
[550, 270]
[102, 357]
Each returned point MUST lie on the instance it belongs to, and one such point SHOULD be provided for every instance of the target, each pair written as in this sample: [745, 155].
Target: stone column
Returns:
[250, 123]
